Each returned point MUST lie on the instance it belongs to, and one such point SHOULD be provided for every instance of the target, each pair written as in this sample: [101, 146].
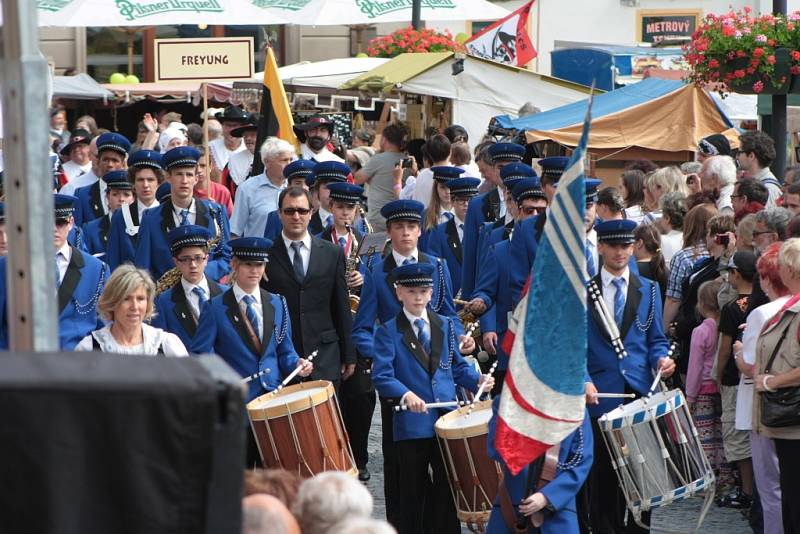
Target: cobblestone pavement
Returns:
[678, 516]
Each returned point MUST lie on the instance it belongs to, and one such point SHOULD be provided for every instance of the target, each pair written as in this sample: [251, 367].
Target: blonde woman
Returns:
[126, 303]
[659, 183]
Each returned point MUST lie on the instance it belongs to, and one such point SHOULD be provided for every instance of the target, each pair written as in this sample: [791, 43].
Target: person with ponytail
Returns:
[649, 259]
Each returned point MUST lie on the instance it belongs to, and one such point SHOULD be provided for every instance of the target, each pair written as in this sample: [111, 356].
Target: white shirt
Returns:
[79, 181]
[411, 318]
[73, 170]
[154, 338]
[399, 258]
[240, 293]
[323, 216]
[502, 201]
[220, 152]
[142, 207]
[176, 213]
[635, 213]
[322, 155]
[63, 257]
[459, 227]
[755, 322]
[194, 300]
[591, 237]
[724, 201]
[609, 289]
[423, 187]
[239, 166]
[305, 250]
[671, 243]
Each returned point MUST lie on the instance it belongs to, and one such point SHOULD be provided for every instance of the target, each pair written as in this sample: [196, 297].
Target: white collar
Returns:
[457, 220]
[240, 293]
[411, 317]
[142, 207]
[324, 214]
[306, 240]
[608, 278]
[188, 286]
[65, 251]
[192, 208]
[592, 237]
[399, 258]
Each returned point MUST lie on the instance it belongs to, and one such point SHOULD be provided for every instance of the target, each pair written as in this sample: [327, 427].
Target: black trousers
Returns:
[606, 501]
[357, 410]
[391, 493]
[425, 502]
[788, 452]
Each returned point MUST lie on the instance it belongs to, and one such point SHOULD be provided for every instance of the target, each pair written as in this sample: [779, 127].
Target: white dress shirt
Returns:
[459, 228]
[503, 210]
[240, 293]
[322, 155]
[220, 152]
[609, 289]
[323, 216]
[176, 213]
[142, 207]
[79, 181]
[63, 257]
[73, 170]
[399, 258]
[305, 250]
[411, 318]
[591, 237]
[194, 300]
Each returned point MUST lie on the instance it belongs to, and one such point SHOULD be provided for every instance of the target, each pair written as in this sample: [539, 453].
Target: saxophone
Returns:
[351, 264]
[170, 278]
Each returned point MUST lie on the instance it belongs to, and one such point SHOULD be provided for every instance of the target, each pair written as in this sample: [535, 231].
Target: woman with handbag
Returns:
[776, 406]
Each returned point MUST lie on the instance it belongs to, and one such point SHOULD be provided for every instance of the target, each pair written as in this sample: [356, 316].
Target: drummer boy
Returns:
[417, 361]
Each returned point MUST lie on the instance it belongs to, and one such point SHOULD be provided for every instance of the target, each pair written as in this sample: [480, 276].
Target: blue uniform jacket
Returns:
[174, 314]
[95, 234]
[642, 335]
[492, 288]
[77, 239]
[89, 205]
[78, 293]
[379, 300]
[222, 330]
[575, 458]
[483, 208]
[443, 242]
[122, 241]
[401, 365]
[153, 252]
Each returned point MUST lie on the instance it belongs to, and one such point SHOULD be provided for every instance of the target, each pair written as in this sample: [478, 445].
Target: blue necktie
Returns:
[297, 261]
[448, 215]
[58, 272]
[184, 217]
[619, 300]
[343, 242]
[250, 311]
[591, 268]
[409, 261]
[329, 221]
[201, 294]
[422, 335]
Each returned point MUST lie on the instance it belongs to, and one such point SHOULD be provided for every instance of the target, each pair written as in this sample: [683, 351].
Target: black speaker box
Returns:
[102, 443]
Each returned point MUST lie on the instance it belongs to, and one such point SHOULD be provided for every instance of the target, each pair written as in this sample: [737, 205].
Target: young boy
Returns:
[179, 308]
[417, 361]
[119, 192]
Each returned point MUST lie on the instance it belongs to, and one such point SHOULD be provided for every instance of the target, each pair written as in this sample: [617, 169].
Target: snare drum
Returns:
[656, 453]
[474, 477]
[300, 429]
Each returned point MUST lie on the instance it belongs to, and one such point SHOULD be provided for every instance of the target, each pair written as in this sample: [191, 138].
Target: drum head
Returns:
[457, 424]
[290, 399]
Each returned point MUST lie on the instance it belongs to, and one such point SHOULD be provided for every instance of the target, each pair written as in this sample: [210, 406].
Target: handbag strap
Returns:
[777, 348]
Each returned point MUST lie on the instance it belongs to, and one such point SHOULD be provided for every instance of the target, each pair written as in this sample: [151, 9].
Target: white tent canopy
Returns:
[348, 12]
[486, 89]
[330, 74]
[79, 87]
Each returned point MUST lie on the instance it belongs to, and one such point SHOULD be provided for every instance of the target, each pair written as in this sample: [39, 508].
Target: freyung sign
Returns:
[377, 8]
[290, 5]
[132, 10]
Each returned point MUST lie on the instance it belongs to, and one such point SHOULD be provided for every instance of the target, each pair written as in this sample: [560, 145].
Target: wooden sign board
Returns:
[653, 26]
[212, 59]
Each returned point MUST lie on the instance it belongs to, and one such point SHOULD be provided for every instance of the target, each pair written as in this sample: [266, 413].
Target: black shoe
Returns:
[737, 500]
[363, 474]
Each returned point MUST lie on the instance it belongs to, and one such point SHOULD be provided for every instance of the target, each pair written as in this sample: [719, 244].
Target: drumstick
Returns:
[468, 333]
[616, 395]
[654, 385]
[449, 404]
[254, 376]
[608, 321]
[292, 375]
[477, 396]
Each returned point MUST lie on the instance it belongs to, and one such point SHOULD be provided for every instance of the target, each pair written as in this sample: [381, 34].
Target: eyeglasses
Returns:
[293, 211]
[200, 258]
[533, 210]
[62, 222]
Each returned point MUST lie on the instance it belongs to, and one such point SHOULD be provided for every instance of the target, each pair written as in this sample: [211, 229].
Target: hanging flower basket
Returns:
[411, 40]
[745, 54]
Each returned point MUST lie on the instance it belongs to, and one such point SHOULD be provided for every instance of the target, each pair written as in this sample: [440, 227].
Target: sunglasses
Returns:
[62, 222]
[534, 210]
[294, 211]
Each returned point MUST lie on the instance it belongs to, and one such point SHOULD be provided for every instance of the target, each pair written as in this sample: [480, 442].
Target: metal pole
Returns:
[30, 284]
[416, 14]
[779, 115]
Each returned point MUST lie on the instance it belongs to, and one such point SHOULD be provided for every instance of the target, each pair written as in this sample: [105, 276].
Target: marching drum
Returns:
[299, 428]
[473, 476]
[656, 453]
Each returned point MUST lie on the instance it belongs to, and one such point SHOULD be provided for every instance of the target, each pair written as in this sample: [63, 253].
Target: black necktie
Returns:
[297, 261]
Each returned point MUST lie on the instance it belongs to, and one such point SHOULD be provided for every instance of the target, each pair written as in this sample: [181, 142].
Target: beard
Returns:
[316, 143]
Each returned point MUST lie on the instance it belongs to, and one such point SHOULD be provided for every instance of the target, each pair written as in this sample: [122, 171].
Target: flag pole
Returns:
[416, 14]
[206, 159]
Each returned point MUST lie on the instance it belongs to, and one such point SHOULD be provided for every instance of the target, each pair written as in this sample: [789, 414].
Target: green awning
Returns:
[385, 78]
[765, 103]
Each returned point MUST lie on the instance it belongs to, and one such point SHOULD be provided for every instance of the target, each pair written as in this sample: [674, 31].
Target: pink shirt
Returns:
[701, 360]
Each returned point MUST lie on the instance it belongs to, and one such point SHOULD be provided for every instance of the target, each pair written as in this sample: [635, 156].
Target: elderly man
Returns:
[770, 228]
[717, 177]
[78, 151]
[87, 178]
[265, 514]
[241, 163]
[756, 153]
[223, 148]
[328, 498]
[258, 196]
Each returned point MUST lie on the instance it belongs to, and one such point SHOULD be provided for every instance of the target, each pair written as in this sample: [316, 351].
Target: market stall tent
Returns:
[661, 120]
[80, 87]
[481, 91]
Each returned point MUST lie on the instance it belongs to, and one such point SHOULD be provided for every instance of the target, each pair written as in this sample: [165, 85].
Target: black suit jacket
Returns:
[319, 307]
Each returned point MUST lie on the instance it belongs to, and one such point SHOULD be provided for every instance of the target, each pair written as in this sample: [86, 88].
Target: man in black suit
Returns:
[310, 274]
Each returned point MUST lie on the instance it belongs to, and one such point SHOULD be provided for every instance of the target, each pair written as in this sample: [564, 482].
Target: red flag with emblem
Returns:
[506, 41]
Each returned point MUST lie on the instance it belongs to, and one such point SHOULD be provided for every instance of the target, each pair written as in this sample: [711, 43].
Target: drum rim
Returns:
[645, 404]
[261, 413]
[465, 431]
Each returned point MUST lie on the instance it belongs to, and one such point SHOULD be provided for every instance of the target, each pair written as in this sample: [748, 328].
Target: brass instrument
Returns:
[170, 278]
[467, 318]
[351, 264]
